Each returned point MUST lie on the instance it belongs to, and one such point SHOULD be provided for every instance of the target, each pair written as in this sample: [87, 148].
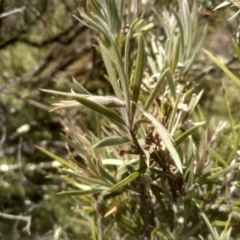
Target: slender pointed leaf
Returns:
[92, 24]
[156, 89]
[105, 174]
[127, 48]
[236, 48]
[205, 72]
[57, 158]
[202, 39]
[124, 81]
[124, 182]
[174, 111]
[188, 132]
[175, 58]
[111, 72]
[217, 156]
[164, 134]
[80, 88]
[223, 4]
[86, 179]
[212, 230]
[111, 141]
[179, 23]
[80, 192]
[224, 171]
[138, 73]
[113, 161]
[64, 93]
[234, 78]
[100, 109]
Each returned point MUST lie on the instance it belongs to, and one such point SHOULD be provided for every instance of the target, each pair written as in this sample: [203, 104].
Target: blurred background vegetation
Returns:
[43, 46]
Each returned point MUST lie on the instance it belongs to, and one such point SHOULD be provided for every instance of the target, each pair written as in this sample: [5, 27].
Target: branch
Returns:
[16, 10]
[27, 219]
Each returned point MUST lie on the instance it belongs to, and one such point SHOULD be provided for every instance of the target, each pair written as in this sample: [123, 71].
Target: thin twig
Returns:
[16, 10]
[27, 219]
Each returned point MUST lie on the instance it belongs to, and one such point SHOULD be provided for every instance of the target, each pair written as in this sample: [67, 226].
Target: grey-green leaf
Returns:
[111, 72]
[79, 192]
[233, 77]
[188, 132]
[124, 182]
[156, 89]
[57, 158]
[100, 109]
[111, 141]
[138, 73]
[165, 136]
[80, 88]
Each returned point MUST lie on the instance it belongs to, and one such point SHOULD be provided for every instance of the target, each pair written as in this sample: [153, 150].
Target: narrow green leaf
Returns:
[217, 156]
[223, 4]
[94, 230]
[138, 26]
[183, 136]
[126, 53]
[224, 171]
[189, 64]
[113, 161]
[202, 39]
[179, 23]
[194, 100]
[124, 81]
[64, 93]
[126, 224]
[124, 168]
[57, 158]
[205, 72]
[234, 78]
[174, 111]
[193, 103]
[164, 134]
[142, 164]
[127, 48]
[138, 72]
[80, 88]
[206, 220]
[92, 24]
[111, 141]
[190, 231]
[116, 16]
[80, 192]
[236, 48]
[156, 89]
[105, 174]
[111, 72]
[210, 227]
[166, 190]
[150, 60]
[124, 182]
[175, 59]
[100, 109]
[138, 124]
[230, 118]
[147, 27]
[95, 6]
[108, 35]
[85, 179]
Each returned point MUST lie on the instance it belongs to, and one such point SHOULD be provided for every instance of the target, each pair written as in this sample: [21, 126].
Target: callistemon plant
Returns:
[139, 174]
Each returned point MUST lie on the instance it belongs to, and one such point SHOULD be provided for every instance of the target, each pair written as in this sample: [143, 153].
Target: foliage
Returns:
[115, 176]
[151, 170]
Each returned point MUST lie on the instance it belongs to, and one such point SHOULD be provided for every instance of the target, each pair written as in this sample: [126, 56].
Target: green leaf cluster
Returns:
[151, 171]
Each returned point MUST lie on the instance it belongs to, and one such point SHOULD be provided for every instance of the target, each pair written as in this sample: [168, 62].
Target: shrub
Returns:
[149, 169]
